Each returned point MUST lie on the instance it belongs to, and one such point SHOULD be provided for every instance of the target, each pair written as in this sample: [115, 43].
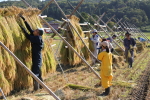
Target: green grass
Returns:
[147, 34]
[146, 28]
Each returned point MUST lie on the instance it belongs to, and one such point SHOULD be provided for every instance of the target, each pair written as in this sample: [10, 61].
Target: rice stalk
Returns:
[67, 55]
[12, 75]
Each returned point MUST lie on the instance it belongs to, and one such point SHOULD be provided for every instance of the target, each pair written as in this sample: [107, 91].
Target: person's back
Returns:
[106, 59]
[106, 67]
[37, 45]
[142, 39]
[35, 37]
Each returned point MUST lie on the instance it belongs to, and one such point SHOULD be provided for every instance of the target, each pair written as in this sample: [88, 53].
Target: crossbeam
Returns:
[71, 48]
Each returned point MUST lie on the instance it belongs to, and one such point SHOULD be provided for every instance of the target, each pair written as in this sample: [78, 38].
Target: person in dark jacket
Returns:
[35, 38]
[129, 44]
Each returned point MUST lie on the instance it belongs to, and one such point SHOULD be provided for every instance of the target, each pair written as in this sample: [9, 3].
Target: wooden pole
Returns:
[108, 34]
[65, 15]
[29, 72]
[45, 7]
[71, 48]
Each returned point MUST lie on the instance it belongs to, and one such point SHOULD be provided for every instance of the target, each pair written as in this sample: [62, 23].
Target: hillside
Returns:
[134, 11]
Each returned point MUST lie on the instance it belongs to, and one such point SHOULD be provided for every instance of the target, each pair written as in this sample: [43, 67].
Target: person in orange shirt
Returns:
[106, 67]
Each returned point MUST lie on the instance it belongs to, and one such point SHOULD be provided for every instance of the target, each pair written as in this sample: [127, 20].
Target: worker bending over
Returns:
[141, 39]
[106, 67]
[35, 38]
[96, 42]
[129, 44]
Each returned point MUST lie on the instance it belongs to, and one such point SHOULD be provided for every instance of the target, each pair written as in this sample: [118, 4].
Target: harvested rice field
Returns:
[79, 83]
[63, 71]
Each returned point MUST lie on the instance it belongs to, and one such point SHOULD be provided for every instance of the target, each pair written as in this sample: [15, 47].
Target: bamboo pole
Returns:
[71, 48]
[3, 94]
[67, 42]
[109, 28]
[137, 31]
[97, 6]
[125, 27]
[130, 29]
[108, 34]
[75, 30]
[141, 32]
[26, 3]
[83, 18]
[110, 19]
[30, 72]
[45, 7]
[76, 8]
[81, 39]
[101, 17]
[65, 15]
[79, 14]
[117, 23]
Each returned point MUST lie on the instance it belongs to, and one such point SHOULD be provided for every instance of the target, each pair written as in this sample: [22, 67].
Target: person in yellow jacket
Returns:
[106, 67]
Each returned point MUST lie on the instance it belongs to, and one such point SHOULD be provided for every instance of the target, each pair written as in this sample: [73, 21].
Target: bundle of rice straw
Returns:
[119, 51]
[91, 44]
[145, 44]
[67, 55]
[118, 61]
[140, 46]
[12, 75]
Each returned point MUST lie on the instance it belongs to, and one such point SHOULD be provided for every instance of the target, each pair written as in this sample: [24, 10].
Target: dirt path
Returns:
[141, 91]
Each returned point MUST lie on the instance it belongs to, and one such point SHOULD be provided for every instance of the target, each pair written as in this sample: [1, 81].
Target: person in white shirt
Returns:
[96, 42]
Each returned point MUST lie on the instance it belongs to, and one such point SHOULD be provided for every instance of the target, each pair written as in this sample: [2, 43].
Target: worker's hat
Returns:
[127, 33]
[105, 44]
[41, 31]
[114, 35]
[94, 31]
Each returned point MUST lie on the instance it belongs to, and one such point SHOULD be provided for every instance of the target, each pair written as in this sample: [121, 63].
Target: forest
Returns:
[133, 11]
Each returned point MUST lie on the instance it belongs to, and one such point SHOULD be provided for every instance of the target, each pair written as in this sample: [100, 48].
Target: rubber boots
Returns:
[42, 81]
[35, 85]
[107, 91]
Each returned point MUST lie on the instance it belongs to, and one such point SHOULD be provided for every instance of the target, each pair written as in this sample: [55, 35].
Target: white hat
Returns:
[94, 31]
[105, 43]
[41, 31]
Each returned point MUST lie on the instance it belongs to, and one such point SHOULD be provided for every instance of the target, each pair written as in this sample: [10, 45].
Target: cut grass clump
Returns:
[12, 75]
[73, 86]
[118, 61]
[119, 51]
[140, 46]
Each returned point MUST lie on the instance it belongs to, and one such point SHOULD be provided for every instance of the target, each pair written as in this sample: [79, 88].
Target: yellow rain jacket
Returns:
[106, 68]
